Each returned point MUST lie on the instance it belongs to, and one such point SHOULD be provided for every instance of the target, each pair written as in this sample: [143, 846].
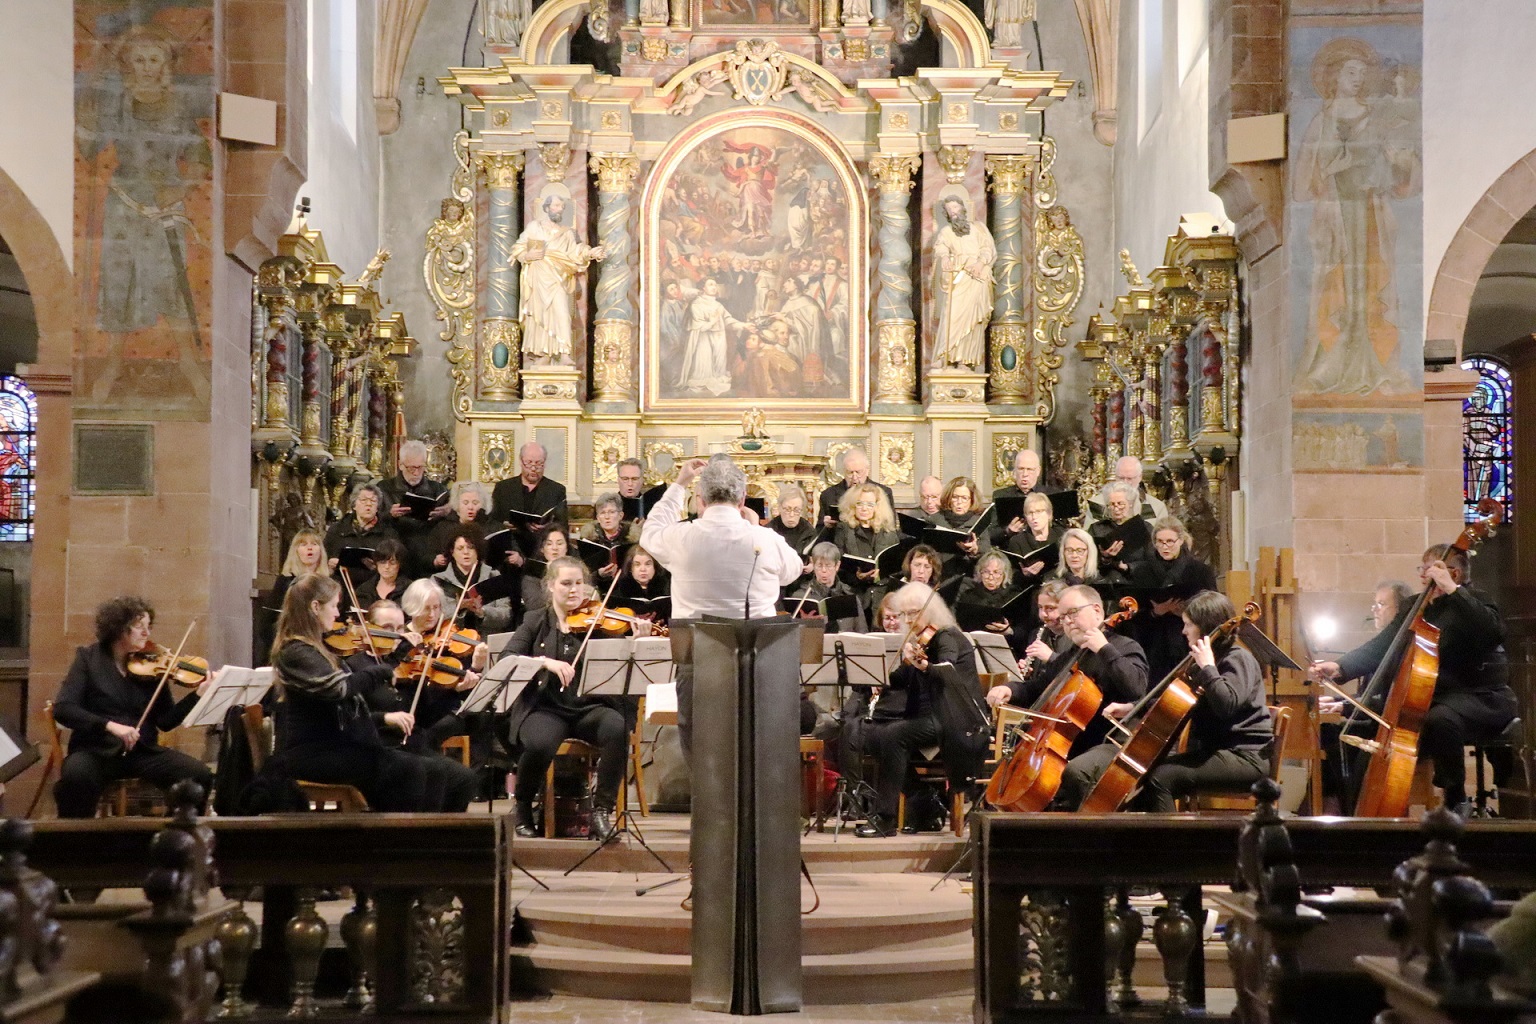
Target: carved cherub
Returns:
[695, 90]
[754, 424]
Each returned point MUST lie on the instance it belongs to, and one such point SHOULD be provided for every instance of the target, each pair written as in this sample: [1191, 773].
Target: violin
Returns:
[460, 643]
[617, 621]
[1029, 778]
[1408, 675]
[155, 661]
[915, 650]
[349, 638]
[1160, 716]
[438, 671]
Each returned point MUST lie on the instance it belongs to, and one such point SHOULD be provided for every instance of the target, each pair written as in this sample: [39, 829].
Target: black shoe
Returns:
[875, 828]
[912, 828]
[525, 827]
[602, 823]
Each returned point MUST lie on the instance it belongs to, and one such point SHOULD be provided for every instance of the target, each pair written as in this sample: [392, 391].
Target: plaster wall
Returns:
[1161, 168]
[343, 182]
[1478, 95]
[37, 136]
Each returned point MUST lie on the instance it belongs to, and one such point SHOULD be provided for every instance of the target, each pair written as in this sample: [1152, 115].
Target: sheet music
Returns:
[863, 653]
[994, 654]
[236, 686]
[501, 684]
[626, 664]
[661, 703]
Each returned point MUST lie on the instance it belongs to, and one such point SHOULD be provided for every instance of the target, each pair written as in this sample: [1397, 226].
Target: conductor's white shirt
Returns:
[709, 559]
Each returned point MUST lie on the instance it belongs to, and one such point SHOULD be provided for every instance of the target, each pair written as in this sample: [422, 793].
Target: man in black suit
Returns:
[532, 492]
[855, 472]
[1026, 480]
[414, 531]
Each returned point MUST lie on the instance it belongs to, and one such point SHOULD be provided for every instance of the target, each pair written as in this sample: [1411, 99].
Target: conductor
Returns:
[721, 564]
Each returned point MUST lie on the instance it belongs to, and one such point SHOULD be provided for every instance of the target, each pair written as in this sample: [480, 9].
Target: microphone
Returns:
[747, 611]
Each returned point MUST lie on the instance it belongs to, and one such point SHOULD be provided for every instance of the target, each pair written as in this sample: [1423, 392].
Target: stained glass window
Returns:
[1487, 426]
[18, 459]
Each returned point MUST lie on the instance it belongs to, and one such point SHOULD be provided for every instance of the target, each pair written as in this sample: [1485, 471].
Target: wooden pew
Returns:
[427, 877]
[1056, 870]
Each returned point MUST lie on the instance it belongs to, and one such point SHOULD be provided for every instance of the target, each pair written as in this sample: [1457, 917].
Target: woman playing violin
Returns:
[467, 568]
[1230, 734]
[102, 703]
[929, 715]
[325, 730]
[437, 716]
[550, 709]
[1473, 700]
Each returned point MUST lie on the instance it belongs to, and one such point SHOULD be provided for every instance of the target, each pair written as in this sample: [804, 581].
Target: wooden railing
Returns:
[1050, 928]
[428, 929]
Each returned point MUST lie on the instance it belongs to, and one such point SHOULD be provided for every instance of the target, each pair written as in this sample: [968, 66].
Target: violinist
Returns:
[467, 568]
[325, 730]
[644, 586]
[550, 710]
[451, 785]
[386, 583]
[437, 710]
[609, 529]
[1473, 700]
[929, 716]
[101, 703]
[362, 527]
[1124, 539]
[1231, 738]
[1115, 662]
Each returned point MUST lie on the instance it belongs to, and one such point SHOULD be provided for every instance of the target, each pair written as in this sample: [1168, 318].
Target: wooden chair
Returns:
[320, 796]
[586, 753]
[118, 796]
[459, 744]
[637, 760]
[813, 779]
[1241, 800]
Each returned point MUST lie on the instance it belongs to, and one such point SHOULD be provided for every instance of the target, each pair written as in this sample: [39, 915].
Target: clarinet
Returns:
[1029, 659]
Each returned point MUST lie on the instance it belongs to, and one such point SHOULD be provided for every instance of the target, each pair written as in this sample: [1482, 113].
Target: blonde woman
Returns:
[867, 526]
[1079, 559]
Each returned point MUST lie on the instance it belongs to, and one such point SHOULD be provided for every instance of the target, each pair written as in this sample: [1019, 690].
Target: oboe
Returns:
[1029, 659]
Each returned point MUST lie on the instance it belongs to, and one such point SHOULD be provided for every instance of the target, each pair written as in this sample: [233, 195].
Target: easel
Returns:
[1272, 585]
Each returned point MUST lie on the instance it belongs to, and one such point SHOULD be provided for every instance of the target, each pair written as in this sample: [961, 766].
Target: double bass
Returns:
[1407, 676]
[1029, 778]
[1159, 716]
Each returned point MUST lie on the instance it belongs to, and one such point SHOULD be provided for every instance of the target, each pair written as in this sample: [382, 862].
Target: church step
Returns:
[935, 852]
[829, 979]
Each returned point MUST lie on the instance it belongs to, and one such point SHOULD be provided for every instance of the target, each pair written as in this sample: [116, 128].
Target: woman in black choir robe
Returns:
[643, 582]
[958, 512]
[922, 564]
[535, 598]
[1037, 533]
[952, 716]
[451, 785]
[1124, 539]
[306, 554]
[800, 601]
[362, 527]
[791, 522]
[471, 508]
[467, 568]
[1078, 561]
[101, 703]
[1175, 575]
[325, 731]
[550, 710]
[866, 526]
[609, 529]
[991, 586]
[386, 582]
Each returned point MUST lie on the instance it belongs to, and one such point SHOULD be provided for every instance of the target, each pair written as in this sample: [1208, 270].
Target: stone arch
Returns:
[1506, 201]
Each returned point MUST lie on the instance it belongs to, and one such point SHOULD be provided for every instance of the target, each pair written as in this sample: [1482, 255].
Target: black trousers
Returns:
[892, 745]
[1178, 776]
[543, 731]
[389, 779]
[685, 708]
[85, 773]
[1455, 719]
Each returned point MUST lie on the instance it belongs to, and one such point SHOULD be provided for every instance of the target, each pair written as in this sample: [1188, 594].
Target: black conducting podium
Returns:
[745, 842]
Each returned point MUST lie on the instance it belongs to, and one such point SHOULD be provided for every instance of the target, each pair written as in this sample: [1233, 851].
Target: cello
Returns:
[1408, 675]
[1160, 716]
[1029, 778]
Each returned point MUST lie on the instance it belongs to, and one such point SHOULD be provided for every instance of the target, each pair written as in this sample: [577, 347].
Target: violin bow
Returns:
[442, 639]
[346, 577]
[164, 678]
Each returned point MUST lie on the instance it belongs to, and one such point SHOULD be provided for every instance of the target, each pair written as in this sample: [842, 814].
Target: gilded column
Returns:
[336, 338]
[501, 333]
[613, 329]
[1213, 413]
[1100, 447]
[309, 427]
[378, 423]
[280, 321]
[895, 326]
[1152, 406]
[1114, 445]
[1178, 388]
[1010, 329]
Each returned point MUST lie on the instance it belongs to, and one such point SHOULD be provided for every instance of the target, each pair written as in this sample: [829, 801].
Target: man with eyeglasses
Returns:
[1045, 657]
[533, 493]
[415, 531]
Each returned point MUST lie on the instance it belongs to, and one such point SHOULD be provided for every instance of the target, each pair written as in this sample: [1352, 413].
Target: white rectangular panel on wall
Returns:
[957, 453]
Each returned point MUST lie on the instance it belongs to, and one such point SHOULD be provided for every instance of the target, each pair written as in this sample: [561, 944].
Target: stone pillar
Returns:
[501, 332]
[614, 329]
[895, 326]
[1009, 383]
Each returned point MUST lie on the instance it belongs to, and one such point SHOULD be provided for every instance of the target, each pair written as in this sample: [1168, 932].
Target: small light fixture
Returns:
[1324, 628]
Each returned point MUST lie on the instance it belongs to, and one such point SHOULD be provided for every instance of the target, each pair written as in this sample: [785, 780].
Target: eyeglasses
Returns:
[1071, 613]
[1075, 549]
[1166, 542]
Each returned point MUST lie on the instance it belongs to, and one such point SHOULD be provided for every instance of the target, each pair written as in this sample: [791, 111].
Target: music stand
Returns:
[854, 659]
[609, 669]
[500, 685]
[235, 686]
[995, 655]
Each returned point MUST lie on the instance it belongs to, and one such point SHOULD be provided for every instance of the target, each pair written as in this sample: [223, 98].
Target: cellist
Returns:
[1230, 734]
[1473, 700]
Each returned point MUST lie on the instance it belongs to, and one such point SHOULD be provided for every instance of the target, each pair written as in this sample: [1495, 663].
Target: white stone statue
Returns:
[654, 12]
[505, 21]
[1006, 19]
[963, 255]
[552, 258]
